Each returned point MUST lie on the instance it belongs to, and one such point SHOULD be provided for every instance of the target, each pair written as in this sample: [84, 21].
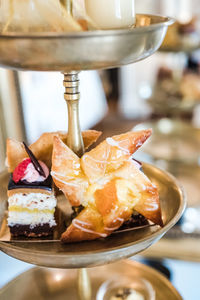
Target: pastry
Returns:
[190, 86]
[31, 200]
[32, 16]
[176, 89]
[43, 147]
[107, 183]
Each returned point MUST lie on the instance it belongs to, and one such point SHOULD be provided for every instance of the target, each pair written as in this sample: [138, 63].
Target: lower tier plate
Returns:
[51, 253]
[40, 283]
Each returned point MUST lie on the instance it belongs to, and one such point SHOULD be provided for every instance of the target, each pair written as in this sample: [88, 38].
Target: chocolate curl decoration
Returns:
[34, 161]
[137, 161]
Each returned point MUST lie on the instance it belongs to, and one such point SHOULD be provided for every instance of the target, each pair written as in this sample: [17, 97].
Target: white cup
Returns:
[109, 14]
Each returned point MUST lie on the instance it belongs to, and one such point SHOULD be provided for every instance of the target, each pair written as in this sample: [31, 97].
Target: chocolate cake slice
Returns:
[31, 200]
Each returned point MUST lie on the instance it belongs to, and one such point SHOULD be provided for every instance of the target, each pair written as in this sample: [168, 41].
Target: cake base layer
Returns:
[27, 230]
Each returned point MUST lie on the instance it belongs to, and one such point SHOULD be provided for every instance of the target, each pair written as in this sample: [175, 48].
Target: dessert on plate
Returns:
[127, 294]
[32, 16]
[106, 186]
[177, 89]
[31, 199]
[43, 147]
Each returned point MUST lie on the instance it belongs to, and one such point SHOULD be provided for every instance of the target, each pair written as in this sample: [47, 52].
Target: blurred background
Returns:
[162, 92]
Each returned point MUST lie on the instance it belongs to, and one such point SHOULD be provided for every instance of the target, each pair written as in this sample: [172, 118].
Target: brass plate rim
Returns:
[164, 21]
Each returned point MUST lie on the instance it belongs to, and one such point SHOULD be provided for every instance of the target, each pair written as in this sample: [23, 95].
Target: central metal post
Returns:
[84, 285]
[72, 97]
[75, 142]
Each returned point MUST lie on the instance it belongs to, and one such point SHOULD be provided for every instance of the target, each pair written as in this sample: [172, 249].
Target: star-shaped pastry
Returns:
[108, 183]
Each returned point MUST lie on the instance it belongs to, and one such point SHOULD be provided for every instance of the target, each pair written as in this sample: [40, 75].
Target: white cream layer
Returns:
[32, 219]
[33, 201]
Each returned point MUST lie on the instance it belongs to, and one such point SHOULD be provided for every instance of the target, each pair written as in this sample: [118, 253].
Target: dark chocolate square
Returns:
[45, 185]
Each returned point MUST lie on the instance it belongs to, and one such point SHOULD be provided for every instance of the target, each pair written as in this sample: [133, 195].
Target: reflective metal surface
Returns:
[72, 96]
[182, 242]
[189, 177]
[40, 283]
[172, 141]
[85, 50]
[184, 47]
[102, 251]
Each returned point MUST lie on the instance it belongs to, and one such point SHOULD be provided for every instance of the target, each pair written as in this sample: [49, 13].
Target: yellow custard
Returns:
[35, 210]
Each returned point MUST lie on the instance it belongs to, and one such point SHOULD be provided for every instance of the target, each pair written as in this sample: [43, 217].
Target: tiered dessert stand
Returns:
[71, 53]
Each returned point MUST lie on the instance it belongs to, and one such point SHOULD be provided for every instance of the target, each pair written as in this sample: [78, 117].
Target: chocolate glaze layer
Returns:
[26, 230]
[45, 185]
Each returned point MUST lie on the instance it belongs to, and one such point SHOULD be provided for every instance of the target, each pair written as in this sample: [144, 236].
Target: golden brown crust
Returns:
[106, 198]
[15, 154]
[113, 152]
[111, 199]
[69, 171]
[90, 137]
[95, 222]
[87, 226]
[66, 172]
[43, 147]
[149, 204]
[100, 221]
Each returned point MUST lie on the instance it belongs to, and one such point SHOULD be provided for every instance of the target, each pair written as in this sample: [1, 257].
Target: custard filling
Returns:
[35, 210]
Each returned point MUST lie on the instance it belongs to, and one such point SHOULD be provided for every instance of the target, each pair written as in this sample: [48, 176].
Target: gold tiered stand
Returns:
[71, 53]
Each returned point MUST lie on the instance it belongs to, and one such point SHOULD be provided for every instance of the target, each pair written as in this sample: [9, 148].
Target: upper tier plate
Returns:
[99, 252]
[86, 50]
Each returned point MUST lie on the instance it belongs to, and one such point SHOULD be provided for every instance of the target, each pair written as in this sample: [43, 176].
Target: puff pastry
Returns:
[43, 147]
[108, 183]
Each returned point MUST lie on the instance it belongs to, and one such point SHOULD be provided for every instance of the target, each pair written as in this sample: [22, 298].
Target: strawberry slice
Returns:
[19, 171]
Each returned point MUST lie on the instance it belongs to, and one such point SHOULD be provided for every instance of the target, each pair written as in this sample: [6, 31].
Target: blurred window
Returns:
[45, 109]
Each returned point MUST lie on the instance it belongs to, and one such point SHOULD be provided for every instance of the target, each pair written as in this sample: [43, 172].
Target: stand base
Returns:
[62, 284]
